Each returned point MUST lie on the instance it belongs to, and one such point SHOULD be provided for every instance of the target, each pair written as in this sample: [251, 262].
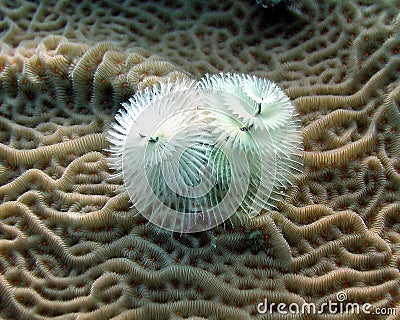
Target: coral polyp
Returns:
[191, 153]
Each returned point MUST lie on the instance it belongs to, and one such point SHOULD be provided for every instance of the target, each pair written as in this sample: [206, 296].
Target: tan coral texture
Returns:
[71, 247]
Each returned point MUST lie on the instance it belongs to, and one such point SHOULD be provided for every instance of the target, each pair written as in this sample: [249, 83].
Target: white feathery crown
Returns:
[192, 153]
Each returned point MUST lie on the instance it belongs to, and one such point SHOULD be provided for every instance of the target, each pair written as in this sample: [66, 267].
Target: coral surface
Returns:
[71, 247]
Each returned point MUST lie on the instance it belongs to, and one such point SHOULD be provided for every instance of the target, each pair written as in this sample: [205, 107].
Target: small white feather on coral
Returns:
[162, 146]
[256, 101]
[257, 117]
[190, 154]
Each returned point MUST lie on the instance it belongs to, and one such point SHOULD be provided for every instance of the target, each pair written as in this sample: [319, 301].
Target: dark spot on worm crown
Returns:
[246, 128]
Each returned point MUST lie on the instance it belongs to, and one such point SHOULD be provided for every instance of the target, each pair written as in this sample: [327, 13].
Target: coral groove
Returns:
[72, 247]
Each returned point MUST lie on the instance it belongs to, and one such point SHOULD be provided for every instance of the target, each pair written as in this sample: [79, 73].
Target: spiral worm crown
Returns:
[192, 153]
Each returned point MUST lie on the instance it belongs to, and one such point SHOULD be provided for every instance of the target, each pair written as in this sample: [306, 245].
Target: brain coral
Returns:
[70, 245]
